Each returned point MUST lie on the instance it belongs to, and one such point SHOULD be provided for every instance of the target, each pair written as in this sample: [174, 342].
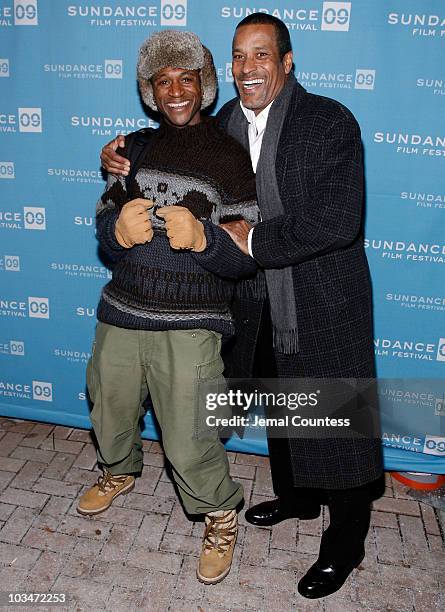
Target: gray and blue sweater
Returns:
[153, 286]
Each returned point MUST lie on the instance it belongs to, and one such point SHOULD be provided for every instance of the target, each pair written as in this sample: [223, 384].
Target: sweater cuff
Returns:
[108, 235]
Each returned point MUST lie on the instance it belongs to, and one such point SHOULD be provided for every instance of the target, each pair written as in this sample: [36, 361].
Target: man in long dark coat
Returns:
[314, 318]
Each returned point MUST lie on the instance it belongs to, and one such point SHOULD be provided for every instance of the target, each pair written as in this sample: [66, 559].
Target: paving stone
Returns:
[83, 477]
[148, 503]
[10, 443]
[255, 460]
[21, 426]
[146, 483]
[21, 557]
[85, 527]
[17, 525]
[384, 519]
[59, 466]
[284, 535]
[242, 471]
[57, 506]
[6, 510]
[151, 531]
[119, 541]
[256, 546]
[13, 580]
[27, 476]
[8, 464]
[263, 482]
[124, 599]
[81, 435]
[118, 573]
[56, 487]
[45, 572]
[48, 540]
[389, 545]
[121, 516]
[33, 454]
[400, 506]
[87, 458]
[62, 432]
[165, 489]
[429, 519]
[157, 592]
[175, 542]
[308, 544]
[155, 560]
[81, 594]
[155, 459]
[64, 446]
[178, 522]
[5, 479]
[390, 599]
[18, 497]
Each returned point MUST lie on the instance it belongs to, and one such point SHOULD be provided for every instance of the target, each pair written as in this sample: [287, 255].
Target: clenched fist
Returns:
[133, 225]
[183, 229]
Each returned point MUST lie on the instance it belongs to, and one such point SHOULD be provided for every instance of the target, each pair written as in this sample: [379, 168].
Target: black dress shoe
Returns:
[272, 512]
[322, 580]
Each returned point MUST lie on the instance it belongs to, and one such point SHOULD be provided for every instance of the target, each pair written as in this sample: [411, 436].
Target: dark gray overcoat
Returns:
[319, 169]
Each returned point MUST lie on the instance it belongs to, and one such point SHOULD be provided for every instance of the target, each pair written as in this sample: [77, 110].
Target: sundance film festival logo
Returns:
[361, 79]
[4, 68]
[172, 13]
[434, 86]
[109, 69]
[33, 307]
[76, 175]
[110, 126]
[401, 250]
[32, 218]
[7, 170]
[419, 24]
[71, 355]
[412, 144]
[397, 348]
[333, 16]
[16, 348]
[21, 13]
[77, 270]
[412, 301]
[26, 120]
[424, 200]
[10, 263]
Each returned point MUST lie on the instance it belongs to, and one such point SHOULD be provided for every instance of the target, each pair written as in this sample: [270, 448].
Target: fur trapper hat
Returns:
[177, 49]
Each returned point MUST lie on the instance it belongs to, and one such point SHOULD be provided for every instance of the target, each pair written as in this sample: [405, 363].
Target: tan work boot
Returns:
[217, 546]
[100, 496]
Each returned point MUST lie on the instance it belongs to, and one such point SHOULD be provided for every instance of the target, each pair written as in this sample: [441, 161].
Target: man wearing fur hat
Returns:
[166, 309]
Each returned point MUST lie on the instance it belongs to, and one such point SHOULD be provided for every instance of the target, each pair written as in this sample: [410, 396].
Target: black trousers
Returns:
[349, 509]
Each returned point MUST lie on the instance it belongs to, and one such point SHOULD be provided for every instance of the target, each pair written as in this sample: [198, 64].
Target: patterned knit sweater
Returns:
[154, 286]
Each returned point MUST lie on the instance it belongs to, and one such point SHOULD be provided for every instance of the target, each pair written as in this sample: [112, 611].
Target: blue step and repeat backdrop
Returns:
[68, 85]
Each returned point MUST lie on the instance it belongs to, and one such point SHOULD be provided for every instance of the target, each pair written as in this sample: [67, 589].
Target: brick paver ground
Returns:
[141, 554]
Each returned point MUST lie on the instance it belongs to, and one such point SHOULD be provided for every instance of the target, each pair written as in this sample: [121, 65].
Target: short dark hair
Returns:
[281, 32]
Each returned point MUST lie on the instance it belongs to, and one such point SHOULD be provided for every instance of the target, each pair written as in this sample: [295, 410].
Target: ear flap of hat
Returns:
[146, 89]
[209, 81]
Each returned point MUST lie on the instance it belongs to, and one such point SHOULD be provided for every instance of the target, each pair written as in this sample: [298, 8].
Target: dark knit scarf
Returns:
[280, 286]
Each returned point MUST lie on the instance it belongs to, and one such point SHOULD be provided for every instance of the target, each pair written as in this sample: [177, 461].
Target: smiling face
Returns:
[178, 95]
[258, 71]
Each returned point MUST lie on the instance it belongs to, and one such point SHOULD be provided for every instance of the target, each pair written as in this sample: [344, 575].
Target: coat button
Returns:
[245, 321]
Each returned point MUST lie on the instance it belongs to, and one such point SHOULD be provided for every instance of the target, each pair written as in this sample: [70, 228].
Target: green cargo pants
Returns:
[125, 365]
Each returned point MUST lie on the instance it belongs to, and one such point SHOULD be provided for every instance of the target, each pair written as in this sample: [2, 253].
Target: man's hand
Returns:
[238, 231]
[183, 229]
[133, 225]
[111, 161]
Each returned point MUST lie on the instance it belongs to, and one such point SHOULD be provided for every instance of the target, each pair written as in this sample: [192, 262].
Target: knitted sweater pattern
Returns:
[154, 286]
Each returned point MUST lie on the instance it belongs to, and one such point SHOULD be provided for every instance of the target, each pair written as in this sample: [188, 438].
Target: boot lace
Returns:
[216, 536]
[107, 482]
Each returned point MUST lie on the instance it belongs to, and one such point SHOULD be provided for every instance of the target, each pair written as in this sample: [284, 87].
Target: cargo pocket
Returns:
[209, 384]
